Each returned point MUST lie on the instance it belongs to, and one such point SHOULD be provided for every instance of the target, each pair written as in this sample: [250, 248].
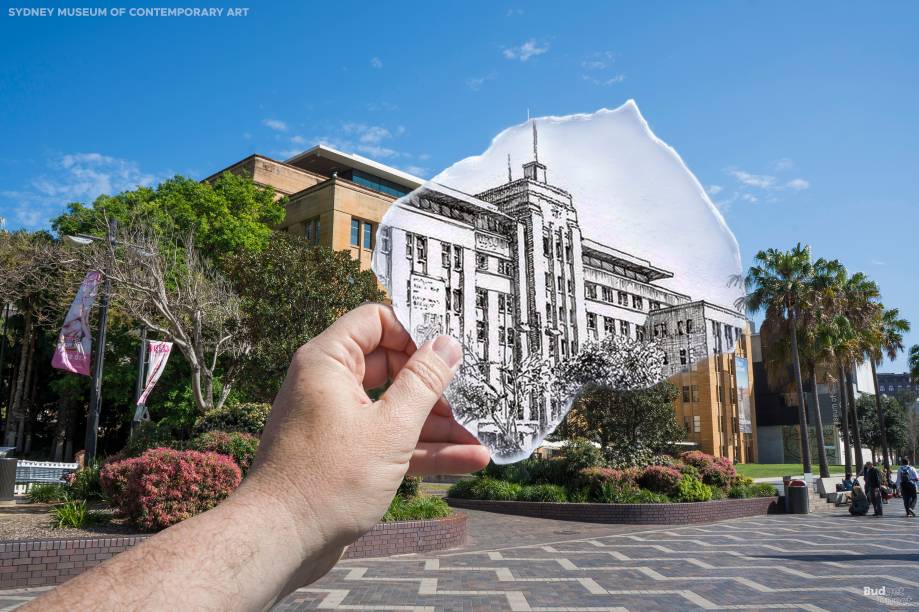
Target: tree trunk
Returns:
[844, 401]
[19, 388]
[882, 426]
[23, 435]
[821, 445]
[802, 412]
[856, 428]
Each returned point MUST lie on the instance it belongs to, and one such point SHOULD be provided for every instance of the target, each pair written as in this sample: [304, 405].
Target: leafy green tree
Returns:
[896, 430]
[779, 284]
[630, 426]
[914, 363]
[228, 215]
[290, 292]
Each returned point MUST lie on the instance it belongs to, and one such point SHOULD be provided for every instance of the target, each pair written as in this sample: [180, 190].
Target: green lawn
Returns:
[768, 470]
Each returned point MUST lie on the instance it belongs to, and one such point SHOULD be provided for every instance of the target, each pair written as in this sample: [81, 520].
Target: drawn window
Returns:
[409, 246]
[682, 356]
[458, 257]
[686, 394]
[623, 298]
[624, 328]
[502, 302]
[639, 332]
[421, 248]
[481, 261]
[609, 325]
[445, 256]
[480, 331]
[457, 301]
[591, 321]
[481, 298]
[637, 302]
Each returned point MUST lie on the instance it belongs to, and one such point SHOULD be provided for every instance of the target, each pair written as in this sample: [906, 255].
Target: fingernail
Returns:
[447, 349]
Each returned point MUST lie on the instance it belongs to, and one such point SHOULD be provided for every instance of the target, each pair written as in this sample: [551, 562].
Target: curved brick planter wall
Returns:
[637, 514]
[31, 563]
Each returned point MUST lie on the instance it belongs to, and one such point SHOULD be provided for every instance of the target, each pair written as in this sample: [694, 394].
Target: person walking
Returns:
[906, 481]
[873, 488]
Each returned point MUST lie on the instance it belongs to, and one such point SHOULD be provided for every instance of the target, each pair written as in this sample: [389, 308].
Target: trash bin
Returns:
[8, 479]
[784, 500]
[796, 494]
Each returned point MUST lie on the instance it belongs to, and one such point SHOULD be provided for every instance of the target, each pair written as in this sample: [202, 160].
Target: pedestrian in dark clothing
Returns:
[859, 505]
[873, 484]
[906, 480]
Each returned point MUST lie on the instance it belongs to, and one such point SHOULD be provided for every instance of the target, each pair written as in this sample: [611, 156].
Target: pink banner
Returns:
[157, 355]
[74, 345]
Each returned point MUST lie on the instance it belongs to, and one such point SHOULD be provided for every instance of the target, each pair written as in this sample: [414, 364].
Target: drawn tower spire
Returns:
[534, 170]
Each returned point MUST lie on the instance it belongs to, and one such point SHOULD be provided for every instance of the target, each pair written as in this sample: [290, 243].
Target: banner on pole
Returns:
[157, 355]
[74, 344]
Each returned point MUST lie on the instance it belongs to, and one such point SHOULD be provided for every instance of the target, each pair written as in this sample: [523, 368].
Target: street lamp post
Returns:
[139, 385]
[95, 398]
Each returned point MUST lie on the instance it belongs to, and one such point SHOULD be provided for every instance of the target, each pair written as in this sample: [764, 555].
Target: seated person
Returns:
[859, 505]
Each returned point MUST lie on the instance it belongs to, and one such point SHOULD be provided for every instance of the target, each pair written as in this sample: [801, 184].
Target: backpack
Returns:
[905, 482]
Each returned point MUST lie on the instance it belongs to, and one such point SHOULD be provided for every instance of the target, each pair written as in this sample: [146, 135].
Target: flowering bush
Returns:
[164, 486]
[714, 471]
[661, 479]
[239, 445]
[594, 480]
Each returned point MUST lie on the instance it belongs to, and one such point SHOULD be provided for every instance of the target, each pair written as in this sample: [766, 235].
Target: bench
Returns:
[825, 486]
[32, 472]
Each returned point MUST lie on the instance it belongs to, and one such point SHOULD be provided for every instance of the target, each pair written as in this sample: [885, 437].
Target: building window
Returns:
[501, 335]
[546, 246]
[639, 333]
[502, 302]
[564, 348]
[592, 321]
[421, 249]
[409, 246]
[548, 282]
[368, 235]
[682, 356]
[311, 231]
[696, 424]
[457, 301]
[624, 328]
[447, 300]
[666, 358]
[561, 314]
[385, 240]
[481, 332]
[688, 326]
[355, 232]
[637, 302]
[481, 261]
[445, 256]
[571, 316]
[504, 267]
[570, 287]
[457, 257]
[679, 327]
[694, 390]
[481, 298]
[720, 394]
[548, 313]
[623, 298]
[607, 294]
[609, 326]
[560, 284]
[686, 399]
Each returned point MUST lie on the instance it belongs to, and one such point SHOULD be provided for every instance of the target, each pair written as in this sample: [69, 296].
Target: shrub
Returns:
[542, 493]
[500, 490]
[693, 490]
[593, 480]
[688, 470]
[714, 471]
[43, 493]
[410, 487]
[743, 480]
[579, 454]
[73, 513]
[247, 417]
[739, 491]
[239, 445]
[164, 486]
[416, 509]
[650, 497]
[578, 495]
[148, 435]
[762, 489]
[85, 483]
[717, 493]
[661, 479]
[464, 489]
[617, 492]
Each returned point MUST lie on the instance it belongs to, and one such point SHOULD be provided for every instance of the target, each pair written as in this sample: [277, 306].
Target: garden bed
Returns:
[43, 562]
[637, 514]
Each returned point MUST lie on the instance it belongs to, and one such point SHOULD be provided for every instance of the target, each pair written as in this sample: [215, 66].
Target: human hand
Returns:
[333, 456]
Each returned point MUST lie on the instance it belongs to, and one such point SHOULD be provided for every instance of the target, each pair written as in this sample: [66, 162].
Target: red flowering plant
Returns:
[661, 479]
[715, 471]
[164, 486]
[593, 479]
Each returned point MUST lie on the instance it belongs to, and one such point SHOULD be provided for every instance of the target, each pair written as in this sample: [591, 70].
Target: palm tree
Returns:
[778, 283]
[914, 363]
[815, 337]
[837, 337]
[886, 337]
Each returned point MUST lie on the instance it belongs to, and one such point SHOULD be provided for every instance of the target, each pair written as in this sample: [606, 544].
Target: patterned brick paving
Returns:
[816, 562]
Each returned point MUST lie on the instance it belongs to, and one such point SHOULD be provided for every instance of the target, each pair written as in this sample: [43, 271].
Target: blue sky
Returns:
[799, 118]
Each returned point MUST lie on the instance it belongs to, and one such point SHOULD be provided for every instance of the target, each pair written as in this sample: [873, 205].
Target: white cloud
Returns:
[416, 170]
[605, 82]
[524, 52]
[598, 61]
[714, 189]
[748, 197]
[381, 106]
[798, 184]
[513, 11]
[784, 164]
[275, 124]
[475, 83]
[376, 62]
[298, 140]
[762, 181]
[878, 262]
[74, 177]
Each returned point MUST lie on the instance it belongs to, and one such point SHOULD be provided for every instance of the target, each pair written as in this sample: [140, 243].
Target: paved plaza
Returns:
[827, 561]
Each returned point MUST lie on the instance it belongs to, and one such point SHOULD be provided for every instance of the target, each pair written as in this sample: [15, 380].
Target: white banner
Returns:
[157, 355]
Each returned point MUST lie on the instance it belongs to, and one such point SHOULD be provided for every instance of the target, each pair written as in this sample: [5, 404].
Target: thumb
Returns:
[422, 380]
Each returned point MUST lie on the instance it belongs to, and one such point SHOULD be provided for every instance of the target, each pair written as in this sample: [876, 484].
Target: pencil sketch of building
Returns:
[508, 272]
